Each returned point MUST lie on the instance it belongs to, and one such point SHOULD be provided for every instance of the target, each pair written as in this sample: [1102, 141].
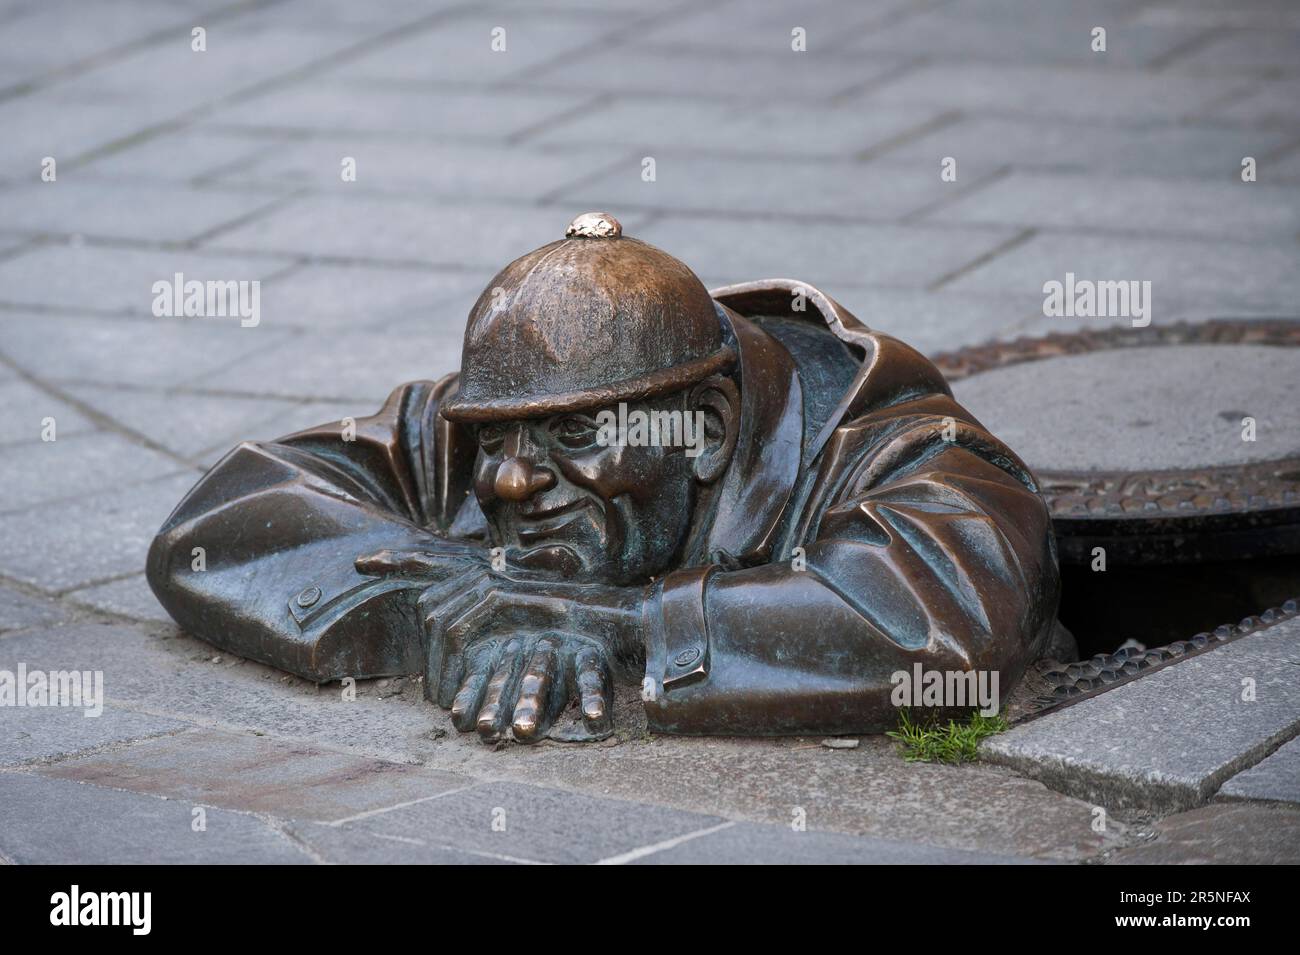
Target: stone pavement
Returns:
[824, 165]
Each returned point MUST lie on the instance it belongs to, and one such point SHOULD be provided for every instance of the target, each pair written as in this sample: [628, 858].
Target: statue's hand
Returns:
[511, 655]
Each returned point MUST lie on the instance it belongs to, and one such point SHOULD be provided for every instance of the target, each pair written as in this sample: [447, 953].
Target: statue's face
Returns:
[564, 495]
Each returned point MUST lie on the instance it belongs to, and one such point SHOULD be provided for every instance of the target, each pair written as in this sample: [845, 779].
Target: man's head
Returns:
[594, 374]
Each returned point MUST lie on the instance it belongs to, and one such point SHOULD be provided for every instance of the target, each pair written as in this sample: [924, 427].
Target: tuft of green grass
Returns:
[933, 742]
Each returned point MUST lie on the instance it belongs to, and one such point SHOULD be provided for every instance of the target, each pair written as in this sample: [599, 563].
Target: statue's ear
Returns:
[718, 401]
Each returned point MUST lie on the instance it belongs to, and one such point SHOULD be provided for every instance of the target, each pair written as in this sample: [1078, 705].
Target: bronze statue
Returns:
[745, 501]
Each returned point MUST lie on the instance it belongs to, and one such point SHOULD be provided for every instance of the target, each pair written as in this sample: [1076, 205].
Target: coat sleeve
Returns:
[932, 546]
[258, 557]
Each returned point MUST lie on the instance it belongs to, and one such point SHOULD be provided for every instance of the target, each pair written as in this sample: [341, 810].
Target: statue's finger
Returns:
[496, 711]
[595, 696]
[469, 698]
[532, 711]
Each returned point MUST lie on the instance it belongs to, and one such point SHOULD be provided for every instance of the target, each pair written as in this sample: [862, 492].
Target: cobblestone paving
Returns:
[824, 165]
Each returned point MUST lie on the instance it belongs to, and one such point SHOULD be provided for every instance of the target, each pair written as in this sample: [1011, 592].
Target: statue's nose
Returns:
[517, 480]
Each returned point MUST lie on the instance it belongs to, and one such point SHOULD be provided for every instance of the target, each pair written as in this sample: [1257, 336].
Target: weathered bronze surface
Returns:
[838, 517]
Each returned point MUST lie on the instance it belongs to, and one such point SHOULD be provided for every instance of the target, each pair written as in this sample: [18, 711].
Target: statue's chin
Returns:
[559, 559]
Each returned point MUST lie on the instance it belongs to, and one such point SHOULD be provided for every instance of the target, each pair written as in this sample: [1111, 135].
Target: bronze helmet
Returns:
[588, 321]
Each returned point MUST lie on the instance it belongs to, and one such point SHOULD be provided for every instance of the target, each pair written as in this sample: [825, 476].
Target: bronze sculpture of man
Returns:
[822, 516]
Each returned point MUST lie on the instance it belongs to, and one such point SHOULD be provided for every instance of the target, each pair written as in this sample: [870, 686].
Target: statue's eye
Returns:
[490, 437]
[574, 431]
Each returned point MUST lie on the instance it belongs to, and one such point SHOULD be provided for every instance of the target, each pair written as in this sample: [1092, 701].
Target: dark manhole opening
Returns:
[1161, 603]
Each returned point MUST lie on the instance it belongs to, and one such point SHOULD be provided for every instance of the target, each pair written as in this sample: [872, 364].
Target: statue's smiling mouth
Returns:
[532, 528]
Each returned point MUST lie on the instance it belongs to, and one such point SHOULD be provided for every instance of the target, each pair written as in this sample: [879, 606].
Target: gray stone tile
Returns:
[1275, 778]
[1221, 835]
[748, 844]
[725, 186]
[540, 824]
[111, 279]
[1115, 95]
[1262, 103]
[55, 821]
[185, 423]
[1143, 410]
[152, 352]
[389, 228]
[362, 847]
[1245, 51]
[1223, 13]
[1220, 276]
[290, 418]
[76, 465]
[981, 143]
[251, 773]
[239, 56]
[344, 297]
[459, 49]
[340, 106]
[128, 597]
[1146, 743]
[49, 732]
[345, 366]
[25, 408]
[179, 157]
[670, 70]
[163, 671]
[91, 538]
[754, 26]
[19, 610]
[790, 129]
[1248, 211]
[1054, 34]
[427, 170]
[820, 253]
[47, 123]
[122, 210]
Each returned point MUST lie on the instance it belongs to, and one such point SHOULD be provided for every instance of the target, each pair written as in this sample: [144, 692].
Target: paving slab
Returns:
[1262, 102]
[1104, 411]
[25, 409]
[820, 253]
[1170, 739]
[44, 733]
[393, 228]
[152, 352]
[726, 187]
[341, 106]
[1114, 95]
[258, 774]
[123, 210]
[516, 822]
[127, 597]
[980, 143]
[741, 25]
[75, 465]
[1275, 778]
[1223, 276]
[460, 48]
[114, 278]
[424, 170]
[1221, 835]
[1246, 211]
[89, 539]
[805, 129]
[671, 70]
[47, 821]
[1026, 33]
[748, 844]
[19, 610]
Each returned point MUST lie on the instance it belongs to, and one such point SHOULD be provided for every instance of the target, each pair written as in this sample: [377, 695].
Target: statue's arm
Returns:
[259, 557]
[942, 556]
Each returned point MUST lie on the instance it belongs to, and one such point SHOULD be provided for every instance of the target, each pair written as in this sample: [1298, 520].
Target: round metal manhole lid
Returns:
[1176, 443]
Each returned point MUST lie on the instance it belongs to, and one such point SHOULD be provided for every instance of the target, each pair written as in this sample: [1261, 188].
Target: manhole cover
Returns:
[1164, 444]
